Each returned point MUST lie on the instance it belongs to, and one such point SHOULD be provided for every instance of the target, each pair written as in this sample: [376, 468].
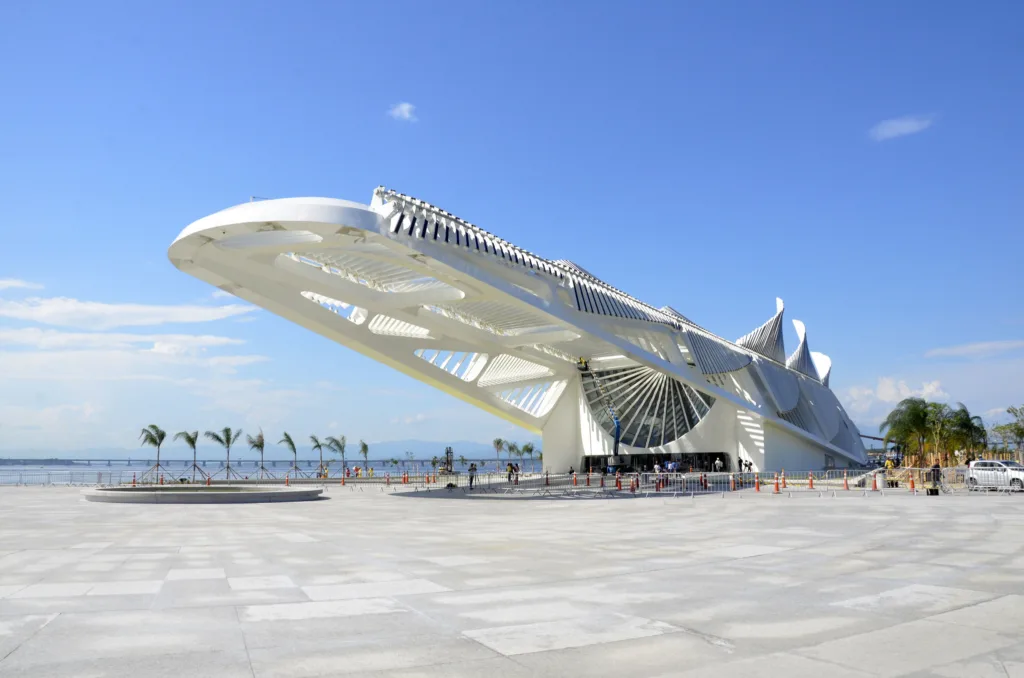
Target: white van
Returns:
[998, 474]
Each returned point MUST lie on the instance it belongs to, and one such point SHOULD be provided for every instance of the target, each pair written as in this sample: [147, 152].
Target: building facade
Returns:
[541, 343]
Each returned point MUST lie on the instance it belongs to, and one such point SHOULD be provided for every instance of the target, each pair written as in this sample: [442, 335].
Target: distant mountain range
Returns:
[391, 449]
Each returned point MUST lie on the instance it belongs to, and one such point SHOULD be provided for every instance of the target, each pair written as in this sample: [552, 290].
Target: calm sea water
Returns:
[95, 471]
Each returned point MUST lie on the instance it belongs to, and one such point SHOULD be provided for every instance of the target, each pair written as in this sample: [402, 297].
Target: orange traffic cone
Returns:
[776, 490]
[874, 482]
[286, 480]
[732, 483]
[846, 483]
[810, 480]
[207, 481]
[912, 488]
[783, 478]
[161, 478]
[757, 482]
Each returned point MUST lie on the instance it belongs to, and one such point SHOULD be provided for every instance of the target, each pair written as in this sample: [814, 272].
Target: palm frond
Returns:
[217, 438]
[256, 442]
[287, 441]
[190, 438]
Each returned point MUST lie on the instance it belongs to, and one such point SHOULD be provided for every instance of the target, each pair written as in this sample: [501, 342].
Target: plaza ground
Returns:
[364, 583]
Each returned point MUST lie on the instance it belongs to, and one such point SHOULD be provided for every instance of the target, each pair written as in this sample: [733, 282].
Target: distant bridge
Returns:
[146, 462]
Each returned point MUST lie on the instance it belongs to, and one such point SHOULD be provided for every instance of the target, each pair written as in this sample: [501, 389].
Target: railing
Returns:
[835, 482]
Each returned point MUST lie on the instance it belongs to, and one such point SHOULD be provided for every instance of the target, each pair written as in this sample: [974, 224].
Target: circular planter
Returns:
[200, 494]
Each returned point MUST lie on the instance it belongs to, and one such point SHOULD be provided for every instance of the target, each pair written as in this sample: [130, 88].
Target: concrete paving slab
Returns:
[908, 647]
[381, 585]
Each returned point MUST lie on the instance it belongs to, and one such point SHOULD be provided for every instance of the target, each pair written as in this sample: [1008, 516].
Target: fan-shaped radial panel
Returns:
[767, 339]
[802, 416]
[653, 408]
[844, 437]
[824, 405]
[801, 359]
[713, 356]
[823, 366]
[782, 385]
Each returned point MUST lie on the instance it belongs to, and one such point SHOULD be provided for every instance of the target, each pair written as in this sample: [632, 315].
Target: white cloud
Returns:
[35, 337]
[900, 127]
[21, 417]
[403, 111]
[870, 405]
[221, 294]
[981, 349]
[891, 391]
[13, 283]
[998, 414]
[411, 419]
[95, 315]
[113, 365]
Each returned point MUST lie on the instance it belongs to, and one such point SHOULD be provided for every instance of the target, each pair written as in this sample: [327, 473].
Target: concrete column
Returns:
[561, 438]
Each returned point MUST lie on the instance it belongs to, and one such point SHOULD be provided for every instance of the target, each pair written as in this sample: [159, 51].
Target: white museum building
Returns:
[542, 343]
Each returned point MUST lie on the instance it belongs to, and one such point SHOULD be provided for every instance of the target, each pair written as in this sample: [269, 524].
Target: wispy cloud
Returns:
[998, 413]
[980, 349]
[870, 405]
[34, 337]
[15, 284]
[95, 315]
[403, 111]
[221, 294]
[900, 127]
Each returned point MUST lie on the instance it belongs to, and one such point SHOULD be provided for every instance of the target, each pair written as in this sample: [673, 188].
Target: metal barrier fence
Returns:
[955, 480]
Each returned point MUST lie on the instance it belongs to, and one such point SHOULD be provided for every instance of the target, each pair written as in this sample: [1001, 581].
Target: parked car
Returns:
[995, 474]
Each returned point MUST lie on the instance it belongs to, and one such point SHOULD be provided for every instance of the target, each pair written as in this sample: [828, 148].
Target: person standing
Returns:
[472, 474]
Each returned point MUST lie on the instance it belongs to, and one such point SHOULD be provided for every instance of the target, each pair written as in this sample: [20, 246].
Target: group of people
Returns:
[513, 473]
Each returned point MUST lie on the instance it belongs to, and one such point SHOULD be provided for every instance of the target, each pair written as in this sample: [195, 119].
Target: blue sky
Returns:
[860, 160]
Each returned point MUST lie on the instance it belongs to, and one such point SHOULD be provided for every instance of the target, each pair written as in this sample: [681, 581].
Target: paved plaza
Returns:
[372, 584]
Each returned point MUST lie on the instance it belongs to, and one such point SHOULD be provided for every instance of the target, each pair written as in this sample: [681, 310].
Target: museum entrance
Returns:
[700, 462]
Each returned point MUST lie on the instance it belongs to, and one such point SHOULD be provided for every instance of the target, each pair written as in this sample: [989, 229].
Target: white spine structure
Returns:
[544, 344]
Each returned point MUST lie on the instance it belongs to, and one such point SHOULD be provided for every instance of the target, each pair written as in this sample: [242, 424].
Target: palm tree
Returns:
[499, 445]
[940, 425]
[153, 436]
[364, 450]
[287, 441]
[318, 447]
[258, 443]
[191, 439]
[528, 451]
[462, 461]
[1017, 428]
[968, 431]
[225, 438]
[513, 450]
[907, 423]
[434, 461]
[337, 446]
